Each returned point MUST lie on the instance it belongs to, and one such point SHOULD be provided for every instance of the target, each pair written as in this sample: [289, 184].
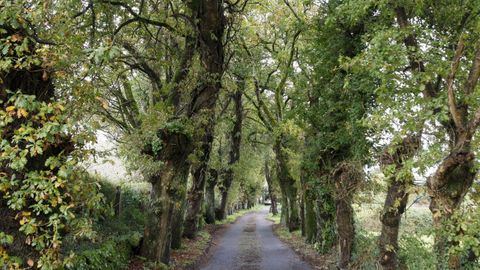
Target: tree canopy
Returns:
[343, 115]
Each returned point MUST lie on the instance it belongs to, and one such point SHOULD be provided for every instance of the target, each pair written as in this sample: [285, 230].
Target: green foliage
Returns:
[112, 254]
[117, 236]
[464, 230]
[330, 79]
[41, 185]
[414, 253]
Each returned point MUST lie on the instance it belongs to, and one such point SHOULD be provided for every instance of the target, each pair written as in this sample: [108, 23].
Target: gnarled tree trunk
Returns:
[210, 21]
[287, 187]
[348, 177]
[325, 216]
[166, 191]
[447, 189]
[210, 196]
[396, 200]
[271, 191]
[196, 193]
[236, 138]
[178, 218]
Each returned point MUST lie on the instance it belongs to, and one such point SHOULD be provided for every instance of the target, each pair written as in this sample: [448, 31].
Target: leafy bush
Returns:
[112, 254]
[415, 254]
[464, 230]
[365, 250]
[42, 192]
[116, 236]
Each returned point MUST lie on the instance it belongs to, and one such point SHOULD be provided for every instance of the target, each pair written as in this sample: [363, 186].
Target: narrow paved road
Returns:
[249, 244]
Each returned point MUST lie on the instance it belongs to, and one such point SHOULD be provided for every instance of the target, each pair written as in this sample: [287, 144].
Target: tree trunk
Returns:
[284, 212]
[196, 194]
[168, 189]
[396, 200]
[347, 177]
[447, 189]
[177, 222]
[287, 187]
[310, 222]
[210, 196]
[157, 234]
[303, 181]
[325, 217]
[222, 211]
[346, 232]
[302, 214]
[273, 206]
[210, 20]
[271, 191]
[393, 209]
[236, 138]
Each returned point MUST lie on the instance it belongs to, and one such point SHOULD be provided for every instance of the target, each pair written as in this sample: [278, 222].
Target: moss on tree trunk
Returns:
[166, 196]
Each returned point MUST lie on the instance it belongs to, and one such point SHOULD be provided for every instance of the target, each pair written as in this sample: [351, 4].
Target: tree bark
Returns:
[325, 217]
[236, 138]
[222, 211]
[271, 191]
[167, 190]
[287, 187]
[310, 222]
[178, 219]
[210, 21]
[447, 189]
[210, 196]
[196, 193]
[348, 177]
[302, 208]
[396, 200]
[157, 234]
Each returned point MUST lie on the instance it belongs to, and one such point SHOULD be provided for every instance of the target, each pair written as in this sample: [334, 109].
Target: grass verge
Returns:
[193, 250]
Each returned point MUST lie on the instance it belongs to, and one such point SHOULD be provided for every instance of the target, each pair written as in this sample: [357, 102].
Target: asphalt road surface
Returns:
[249, 244]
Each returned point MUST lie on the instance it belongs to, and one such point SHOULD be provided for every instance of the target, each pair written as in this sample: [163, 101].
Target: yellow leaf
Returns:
[22, 112]
[10, 108]
[23, 221]
[16, 37]
[60, 107]
[103, 101]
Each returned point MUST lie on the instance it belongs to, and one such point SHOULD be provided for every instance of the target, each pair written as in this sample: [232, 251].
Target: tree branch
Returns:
[457, 119]
[472, 80]
[138, 17]
[280, 87]
[292, 10]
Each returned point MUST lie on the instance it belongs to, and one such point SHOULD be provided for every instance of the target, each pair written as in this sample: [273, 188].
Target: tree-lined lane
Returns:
[250, 244]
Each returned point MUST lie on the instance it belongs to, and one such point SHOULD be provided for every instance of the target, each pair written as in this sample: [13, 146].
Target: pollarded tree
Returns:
[138, 79]
[235, 144]
[155, 95]
[337, 143]
[427, 58]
